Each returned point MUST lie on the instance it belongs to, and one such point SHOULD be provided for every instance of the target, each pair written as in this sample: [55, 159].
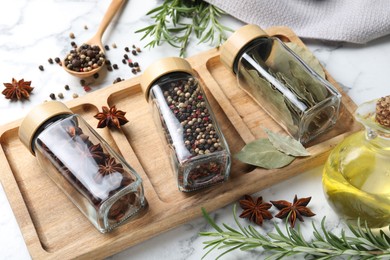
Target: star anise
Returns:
[255, 211]
[17, 89]
[297, 209]
[110, 166]
[92, 151]
[111, 117]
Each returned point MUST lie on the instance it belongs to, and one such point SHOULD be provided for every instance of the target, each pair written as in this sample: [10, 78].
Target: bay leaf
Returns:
[262, 90]
[318, 91]
[308, 57]
[262, 153]
[286, 144]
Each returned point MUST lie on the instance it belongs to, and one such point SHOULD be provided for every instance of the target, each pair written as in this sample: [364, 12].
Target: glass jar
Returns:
[356, 175]
[198, 151]
[103, 186]
[293, 94]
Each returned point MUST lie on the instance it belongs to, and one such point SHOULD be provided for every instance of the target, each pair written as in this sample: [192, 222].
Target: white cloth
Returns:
[356, 21]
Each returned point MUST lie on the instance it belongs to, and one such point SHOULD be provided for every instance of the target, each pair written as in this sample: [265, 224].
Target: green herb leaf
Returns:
[286, 144]
[262, 153]
[325, 245]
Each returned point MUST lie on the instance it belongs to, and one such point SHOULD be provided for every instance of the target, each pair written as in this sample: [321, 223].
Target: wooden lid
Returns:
[37, 117]
[160, 68]
[237, 41]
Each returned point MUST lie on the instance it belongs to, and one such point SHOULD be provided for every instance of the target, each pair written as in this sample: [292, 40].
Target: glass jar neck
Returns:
[45, 125]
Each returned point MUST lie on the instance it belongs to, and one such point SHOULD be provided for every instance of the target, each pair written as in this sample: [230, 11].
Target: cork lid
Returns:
[37, 117]
[160, 68]
[237, 41]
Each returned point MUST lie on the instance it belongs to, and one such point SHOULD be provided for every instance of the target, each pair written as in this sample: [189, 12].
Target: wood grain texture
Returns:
[52, 226]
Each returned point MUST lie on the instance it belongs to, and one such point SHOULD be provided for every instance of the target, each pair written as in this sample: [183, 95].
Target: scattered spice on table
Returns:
[255, 210]
[111, 117]
[294, 210]
[17, 89]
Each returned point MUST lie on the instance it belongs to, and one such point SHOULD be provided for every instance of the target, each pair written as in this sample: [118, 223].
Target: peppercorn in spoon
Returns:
[89, 58]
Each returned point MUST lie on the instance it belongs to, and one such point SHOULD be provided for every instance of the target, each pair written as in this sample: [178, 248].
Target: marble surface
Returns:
[33, 31]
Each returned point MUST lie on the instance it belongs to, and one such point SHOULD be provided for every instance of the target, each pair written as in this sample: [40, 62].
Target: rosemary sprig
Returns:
[325, 244]
[176, 21]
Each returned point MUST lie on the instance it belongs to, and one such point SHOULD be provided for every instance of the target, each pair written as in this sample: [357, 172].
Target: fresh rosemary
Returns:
[175, 21]
[325, 245]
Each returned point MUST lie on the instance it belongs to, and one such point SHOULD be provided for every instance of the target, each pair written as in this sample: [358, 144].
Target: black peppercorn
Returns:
[67, 87]
[52, 96]
[41, 68]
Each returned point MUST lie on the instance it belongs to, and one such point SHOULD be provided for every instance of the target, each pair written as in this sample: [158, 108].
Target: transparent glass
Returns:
[198, 151]
[95, 178]
[294, 95]
[356, 176]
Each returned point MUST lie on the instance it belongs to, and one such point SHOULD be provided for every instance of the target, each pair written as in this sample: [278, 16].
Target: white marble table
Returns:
[33, 31]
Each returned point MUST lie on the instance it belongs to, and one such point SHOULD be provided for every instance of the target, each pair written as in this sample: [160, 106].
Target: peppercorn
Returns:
[114, 45]
[71, 35]
[57, 60]
[127, 49]
[82, 82]
[134, 52]
[138, 49]
[96, 75]
[134, 71]
[85, 27]
[107, 47]
[126, 56]
[67, 87]
[131, 65]
[115, 66]
[52, 96]
[41, 68]
[60, 95]
[75, 95]
[136, 64]
[124, 61]
[50, 60]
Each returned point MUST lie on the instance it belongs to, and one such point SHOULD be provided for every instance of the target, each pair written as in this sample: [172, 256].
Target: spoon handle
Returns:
[110, 13]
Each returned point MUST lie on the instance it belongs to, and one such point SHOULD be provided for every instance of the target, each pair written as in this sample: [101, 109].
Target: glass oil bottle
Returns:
[356, 176]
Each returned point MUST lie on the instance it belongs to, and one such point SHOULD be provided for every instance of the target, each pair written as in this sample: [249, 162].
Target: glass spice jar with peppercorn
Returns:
[103, 186]
[198, 151]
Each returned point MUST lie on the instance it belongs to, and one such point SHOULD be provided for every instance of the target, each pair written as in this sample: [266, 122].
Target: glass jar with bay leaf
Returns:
[286, 87]
[197, 149]
[103, 186]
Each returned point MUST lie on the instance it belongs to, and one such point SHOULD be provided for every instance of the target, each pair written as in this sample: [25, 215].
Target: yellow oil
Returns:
[356, 180]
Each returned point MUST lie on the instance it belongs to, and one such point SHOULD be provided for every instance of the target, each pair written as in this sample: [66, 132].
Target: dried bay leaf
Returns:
[307, 57]
[286, 144]
[274, 98]
[318, 91]
[262, 153]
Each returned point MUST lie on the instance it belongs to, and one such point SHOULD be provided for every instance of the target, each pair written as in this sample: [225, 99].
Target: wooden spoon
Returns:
[97, 38]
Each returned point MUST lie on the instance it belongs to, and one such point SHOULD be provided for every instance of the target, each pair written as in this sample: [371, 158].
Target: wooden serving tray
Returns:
[52, 226]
